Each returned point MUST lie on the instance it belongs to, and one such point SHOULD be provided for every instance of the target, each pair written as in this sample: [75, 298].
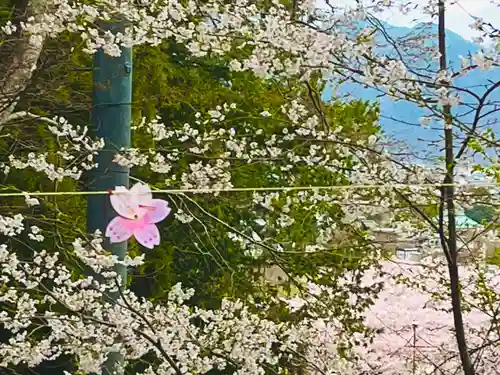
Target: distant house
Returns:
[471, 241]
[408, 253]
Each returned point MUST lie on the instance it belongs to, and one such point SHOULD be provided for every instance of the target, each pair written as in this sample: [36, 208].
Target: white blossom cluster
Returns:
[409, 187]
[217, 150]
[80, 322]
[324, 41]
[279, 48]
[197, 340]
[76, 154]
[216, 155]
[11, 226]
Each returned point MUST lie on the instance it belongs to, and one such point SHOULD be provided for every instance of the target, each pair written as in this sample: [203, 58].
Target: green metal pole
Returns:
[111, 117]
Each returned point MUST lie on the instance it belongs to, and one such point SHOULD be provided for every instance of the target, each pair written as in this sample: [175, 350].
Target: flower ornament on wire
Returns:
[139, 213]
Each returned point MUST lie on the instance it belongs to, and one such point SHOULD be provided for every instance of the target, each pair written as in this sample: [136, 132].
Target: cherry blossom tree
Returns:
[417, 329]
[50, 308]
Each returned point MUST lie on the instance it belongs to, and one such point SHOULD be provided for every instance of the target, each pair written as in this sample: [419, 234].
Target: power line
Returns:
[251, 189]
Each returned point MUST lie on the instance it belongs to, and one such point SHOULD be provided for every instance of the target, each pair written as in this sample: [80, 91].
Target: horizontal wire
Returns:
[250, 189]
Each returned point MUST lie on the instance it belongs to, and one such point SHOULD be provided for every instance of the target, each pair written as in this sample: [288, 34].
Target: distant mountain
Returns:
[405, 125]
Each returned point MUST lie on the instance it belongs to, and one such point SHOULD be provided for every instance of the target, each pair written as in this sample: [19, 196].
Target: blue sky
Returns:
[458, 14]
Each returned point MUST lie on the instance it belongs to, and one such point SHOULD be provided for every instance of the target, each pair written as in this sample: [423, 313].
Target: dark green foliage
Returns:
[169, 83]
[482, 214]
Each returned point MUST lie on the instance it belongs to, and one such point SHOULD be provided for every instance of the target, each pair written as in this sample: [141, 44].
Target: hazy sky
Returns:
[458, 19]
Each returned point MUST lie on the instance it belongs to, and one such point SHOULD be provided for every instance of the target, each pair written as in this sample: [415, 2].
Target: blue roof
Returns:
[463, 222]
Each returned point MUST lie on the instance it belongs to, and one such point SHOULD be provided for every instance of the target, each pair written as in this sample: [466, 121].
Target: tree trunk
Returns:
[449, 199]
[21, 62]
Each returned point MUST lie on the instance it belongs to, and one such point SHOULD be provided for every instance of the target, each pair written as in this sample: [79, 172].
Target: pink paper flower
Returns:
[139, 213]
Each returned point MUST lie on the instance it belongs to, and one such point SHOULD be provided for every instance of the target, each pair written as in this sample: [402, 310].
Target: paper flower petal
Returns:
[134, 203]
[123, 202]
[119, 229]
[141, 195]
[147, 235]
[158, 211]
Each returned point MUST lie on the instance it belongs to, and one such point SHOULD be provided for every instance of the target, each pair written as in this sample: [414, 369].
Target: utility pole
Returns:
[111, 117]
[414, 359]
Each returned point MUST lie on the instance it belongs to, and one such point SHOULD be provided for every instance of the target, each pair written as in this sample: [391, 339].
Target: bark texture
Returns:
[20, 57]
